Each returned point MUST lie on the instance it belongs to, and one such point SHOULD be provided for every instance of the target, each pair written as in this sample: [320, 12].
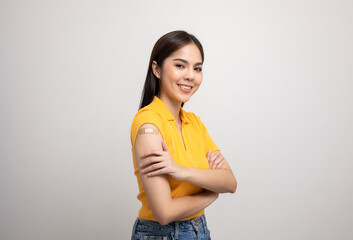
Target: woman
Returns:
[179, 169]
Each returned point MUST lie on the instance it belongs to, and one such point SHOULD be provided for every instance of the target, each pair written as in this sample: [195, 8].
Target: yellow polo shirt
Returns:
[193, 154]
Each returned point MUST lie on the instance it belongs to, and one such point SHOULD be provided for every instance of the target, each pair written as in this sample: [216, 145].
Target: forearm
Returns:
[184, 207]
[164, 207]
[216, 180]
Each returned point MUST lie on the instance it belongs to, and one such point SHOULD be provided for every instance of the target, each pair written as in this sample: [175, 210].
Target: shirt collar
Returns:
[183, 116]
[160, 107]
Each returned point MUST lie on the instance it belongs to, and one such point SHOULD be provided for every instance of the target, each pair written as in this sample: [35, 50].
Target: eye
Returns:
[179, 66]
[198, 69]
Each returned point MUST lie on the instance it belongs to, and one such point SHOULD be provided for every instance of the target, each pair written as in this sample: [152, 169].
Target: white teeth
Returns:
[185, 87]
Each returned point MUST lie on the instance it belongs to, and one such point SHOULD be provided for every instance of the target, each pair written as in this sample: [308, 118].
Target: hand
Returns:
[215, 159]
[160, 162]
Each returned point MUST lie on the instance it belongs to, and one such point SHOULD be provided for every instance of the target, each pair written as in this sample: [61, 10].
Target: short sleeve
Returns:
[209, 143]
[143, 117]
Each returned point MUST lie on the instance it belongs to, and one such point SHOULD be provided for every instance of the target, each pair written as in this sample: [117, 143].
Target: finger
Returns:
[216, 161]
[157, 172]
[152, 153]
[150, 161]
[165, 146]
[152, 168]
[214, 155]
[208, 155]
[220, 165]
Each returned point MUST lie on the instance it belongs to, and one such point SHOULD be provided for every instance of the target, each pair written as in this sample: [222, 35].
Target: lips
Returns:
[185, 88]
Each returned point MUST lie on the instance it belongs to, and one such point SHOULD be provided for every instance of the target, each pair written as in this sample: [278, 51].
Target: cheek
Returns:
[198, 80]
[171, 76]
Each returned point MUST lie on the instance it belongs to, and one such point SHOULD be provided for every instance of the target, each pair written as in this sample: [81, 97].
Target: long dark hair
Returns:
[164, 47]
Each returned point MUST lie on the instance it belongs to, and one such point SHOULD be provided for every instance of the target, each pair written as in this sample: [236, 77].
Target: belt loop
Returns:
[176, 230]
[203, 219]
[195, 224]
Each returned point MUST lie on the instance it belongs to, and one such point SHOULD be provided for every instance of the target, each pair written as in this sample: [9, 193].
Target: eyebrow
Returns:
[184, 61]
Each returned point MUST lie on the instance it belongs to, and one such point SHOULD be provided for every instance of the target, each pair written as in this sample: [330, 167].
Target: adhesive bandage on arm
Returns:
[148, 131]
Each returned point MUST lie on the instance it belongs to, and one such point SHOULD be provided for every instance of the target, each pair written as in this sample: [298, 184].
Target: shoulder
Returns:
[146, 116]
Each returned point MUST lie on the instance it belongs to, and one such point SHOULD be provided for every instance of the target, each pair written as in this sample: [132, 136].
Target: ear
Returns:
[156, 69]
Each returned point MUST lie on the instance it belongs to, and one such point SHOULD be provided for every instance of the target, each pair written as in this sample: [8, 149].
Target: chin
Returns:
[184, 99]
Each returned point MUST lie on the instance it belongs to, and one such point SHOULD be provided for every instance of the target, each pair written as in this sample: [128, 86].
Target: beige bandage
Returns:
[147, 131]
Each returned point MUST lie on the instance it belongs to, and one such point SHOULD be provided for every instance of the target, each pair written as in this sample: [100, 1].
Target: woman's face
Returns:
[180, 75]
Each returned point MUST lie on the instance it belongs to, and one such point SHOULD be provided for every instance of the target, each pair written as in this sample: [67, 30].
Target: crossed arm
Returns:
[155, 163]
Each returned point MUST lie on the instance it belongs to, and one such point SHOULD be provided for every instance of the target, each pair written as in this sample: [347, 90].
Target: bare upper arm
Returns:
[157, 188]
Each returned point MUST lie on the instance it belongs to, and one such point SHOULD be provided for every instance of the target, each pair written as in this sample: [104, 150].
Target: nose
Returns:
[189, 75]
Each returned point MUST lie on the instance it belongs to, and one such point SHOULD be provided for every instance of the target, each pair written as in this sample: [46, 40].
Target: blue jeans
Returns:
[183, 230]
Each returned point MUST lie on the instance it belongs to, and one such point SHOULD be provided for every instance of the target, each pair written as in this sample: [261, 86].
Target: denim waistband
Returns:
[195, 224]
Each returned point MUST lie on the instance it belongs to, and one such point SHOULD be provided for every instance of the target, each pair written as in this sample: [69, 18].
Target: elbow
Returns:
[162, 219]
[234, 188]
[162, 216]
[234, 185]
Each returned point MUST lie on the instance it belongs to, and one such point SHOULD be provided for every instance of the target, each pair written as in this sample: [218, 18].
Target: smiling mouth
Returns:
[184, 87]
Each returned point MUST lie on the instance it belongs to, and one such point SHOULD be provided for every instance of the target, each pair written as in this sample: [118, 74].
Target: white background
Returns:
[276, 98]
